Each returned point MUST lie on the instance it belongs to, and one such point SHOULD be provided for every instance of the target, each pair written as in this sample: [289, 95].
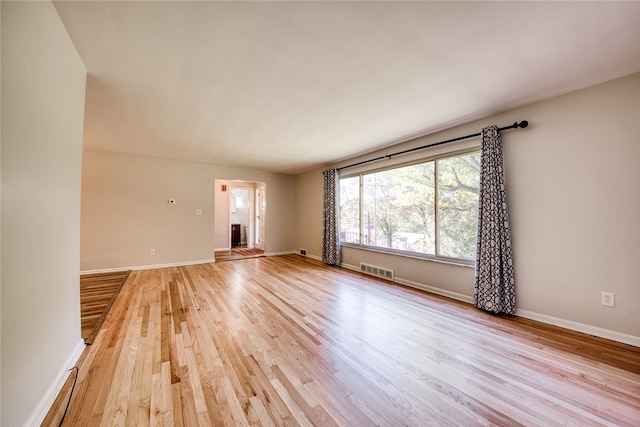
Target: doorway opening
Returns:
[240, 219]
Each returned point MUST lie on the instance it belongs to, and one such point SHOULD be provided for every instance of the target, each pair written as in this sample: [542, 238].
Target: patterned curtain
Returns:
[331, 237]
[494, 289]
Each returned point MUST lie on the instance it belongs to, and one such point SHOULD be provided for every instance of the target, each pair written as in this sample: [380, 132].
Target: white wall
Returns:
[572, 185]
[43, 87]
[125, 211]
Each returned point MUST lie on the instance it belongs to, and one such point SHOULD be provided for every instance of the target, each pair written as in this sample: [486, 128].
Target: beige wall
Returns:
[309, 208]
[125, 211]
[572, 183]
[43, 84]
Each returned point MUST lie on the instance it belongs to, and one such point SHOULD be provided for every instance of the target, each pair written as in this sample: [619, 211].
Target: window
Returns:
[350, 209]
[426, 209]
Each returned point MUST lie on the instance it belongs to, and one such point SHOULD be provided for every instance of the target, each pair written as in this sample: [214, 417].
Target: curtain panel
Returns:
[494, 287]
[331, 253]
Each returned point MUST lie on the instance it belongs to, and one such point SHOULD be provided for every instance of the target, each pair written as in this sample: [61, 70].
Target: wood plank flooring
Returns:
[286, 340]
[236, 254]
[97, 294]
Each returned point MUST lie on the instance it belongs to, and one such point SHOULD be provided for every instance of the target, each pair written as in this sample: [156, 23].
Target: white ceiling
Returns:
[288, 86]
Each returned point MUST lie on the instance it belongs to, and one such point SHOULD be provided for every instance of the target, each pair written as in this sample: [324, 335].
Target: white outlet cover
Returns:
[198, 211]
[608, 299]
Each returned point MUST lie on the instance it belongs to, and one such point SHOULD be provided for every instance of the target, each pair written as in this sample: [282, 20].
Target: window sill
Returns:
[430, 258]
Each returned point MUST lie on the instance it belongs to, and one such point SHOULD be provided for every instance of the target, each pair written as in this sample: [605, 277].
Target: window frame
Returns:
[401, 252]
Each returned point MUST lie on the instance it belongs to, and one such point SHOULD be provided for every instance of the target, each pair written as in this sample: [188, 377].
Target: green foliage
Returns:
[458, 179]
[350, 209]
[399, 207]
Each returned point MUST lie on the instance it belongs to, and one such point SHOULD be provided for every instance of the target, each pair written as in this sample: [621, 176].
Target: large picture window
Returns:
[426, 209]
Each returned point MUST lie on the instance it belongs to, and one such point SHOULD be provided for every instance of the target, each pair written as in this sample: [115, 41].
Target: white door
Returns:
[261, 209]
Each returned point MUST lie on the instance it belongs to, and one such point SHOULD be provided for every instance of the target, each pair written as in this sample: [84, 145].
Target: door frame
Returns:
[260, 216]
[222, 209]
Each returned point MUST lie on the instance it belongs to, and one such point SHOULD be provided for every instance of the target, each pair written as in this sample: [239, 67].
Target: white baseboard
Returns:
[555, 321]
[580, 327]
[280, 253]
[563, 323]
[308, 255]
[41, 410]
[422, 286]
[148, 267]
[434, 290]
[349, 267]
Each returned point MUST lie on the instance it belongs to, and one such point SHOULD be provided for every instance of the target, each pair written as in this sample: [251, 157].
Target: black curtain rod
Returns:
[523, 124]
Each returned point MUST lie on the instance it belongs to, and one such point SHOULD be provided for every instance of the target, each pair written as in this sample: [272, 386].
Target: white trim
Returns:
[222, 249]
[308, 255]
[349, 267]
[42, 408]
[279, 253]
[422, 287]
[149, 267]
[434, 290]
[550, 320]
[567, 324]
[580, 327]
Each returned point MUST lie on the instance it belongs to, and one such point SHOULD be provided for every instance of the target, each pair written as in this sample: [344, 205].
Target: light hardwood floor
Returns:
[234, 255]
[288, 341]
[97, 294]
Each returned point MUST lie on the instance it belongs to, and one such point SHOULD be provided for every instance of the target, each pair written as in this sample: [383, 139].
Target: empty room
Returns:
[320, 213]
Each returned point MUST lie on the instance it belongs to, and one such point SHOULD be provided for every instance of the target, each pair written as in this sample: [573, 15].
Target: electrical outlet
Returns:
[303, 252]
[608, 299]
[153, 251]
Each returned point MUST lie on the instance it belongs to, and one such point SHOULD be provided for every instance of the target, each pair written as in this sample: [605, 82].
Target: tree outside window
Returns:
[396, 209]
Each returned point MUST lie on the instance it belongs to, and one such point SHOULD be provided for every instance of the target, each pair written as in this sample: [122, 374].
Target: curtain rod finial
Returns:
[523, 124]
